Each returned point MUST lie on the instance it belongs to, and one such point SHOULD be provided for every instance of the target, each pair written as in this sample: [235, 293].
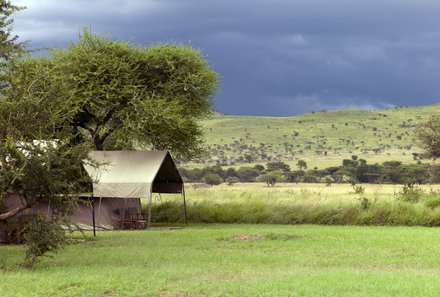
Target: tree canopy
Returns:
[428, 135]
[123, 96]
[9, 47]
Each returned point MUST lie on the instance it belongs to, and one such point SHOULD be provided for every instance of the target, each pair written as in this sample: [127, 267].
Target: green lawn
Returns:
[222, 260]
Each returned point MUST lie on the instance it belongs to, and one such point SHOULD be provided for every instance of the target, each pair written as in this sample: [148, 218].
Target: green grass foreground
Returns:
[236, 260]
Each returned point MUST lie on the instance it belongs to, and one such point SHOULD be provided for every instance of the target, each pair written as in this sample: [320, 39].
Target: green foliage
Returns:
[119, 95]
[247, 174]
[212, 179]
[358, 189]
[391, 172]
[9, 47]
[328, 180]
[42, 236]
[231, 180]
[432, 200]
[428, 135]
[271, 177]
[301, 164]
[39, 159]
[278, 166]
[411, 193]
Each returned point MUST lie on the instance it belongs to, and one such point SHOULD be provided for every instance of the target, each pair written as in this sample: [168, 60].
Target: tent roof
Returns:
[133, 174]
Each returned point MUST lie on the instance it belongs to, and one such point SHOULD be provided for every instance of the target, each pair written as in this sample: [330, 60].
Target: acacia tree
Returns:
[37, 160]
[301, 164]
[428, 135]
[124, 96]
[9, 47]
[100, 93]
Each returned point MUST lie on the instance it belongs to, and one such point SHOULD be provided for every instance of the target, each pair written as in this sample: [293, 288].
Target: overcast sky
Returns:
[276, 57]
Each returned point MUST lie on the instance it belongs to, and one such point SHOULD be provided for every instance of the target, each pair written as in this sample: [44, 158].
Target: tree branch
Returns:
[11, 213]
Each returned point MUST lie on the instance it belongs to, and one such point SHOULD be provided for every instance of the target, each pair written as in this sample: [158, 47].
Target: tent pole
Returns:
[149, 209]
[123, 213]
[99, 211]
[93, 216]
[184, 204]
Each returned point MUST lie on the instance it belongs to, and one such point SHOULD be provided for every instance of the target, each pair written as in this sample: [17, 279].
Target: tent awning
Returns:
[133, 174]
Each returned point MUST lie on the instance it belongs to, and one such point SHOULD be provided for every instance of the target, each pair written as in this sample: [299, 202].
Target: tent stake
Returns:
[184, 203]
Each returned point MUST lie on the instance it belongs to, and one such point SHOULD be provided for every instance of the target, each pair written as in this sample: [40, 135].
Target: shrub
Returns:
[365, 202]
[410, 193]
[232, 180]
[212, 179]
[358, 189]
[432, 201]
[271, 178]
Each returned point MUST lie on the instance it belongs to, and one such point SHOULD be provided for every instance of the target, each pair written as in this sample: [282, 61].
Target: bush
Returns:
[232, 180]
[411, 193]
[40, 235]
[271, 178]
[432, 201]
[358, 189]
[212, 179]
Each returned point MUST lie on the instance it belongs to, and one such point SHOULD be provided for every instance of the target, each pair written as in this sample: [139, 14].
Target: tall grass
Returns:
[311, 206]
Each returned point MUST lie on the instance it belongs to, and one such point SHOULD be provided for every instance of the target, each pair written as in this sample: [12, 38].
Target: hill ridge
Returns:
[321, 138]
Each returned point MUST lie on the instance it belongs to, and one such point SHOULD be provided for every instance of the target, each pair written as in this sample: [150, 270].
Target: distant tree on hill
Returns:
[259, 167]
[247, 174]
[278, 165]
[231, 180]
[271, 178]
[428, 135]
[301, 164]
[213, 179]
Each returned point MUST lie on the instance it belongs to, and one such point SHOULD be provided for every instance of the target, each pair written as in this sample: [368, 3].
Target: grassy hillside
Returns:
[321, 138]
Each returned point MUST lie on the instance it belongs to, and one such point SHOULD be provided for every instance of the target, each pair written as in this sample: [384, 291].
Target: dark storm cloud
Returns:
[275, 57]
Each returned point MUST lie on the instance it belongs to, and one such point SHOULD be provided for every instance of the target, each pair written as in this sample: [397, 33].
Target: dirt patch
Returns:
[170, 294]
[109, 294]
[262, 236]
[245, 237]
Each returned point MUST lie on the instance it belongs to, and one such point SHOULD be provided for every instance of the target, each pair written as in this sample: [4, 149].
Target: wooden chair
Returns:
[133, 220]
[140, 221]
[129, 221]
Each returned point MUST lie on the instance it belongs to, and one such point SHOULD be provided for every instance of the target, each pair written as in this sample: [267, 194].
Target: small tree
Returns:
[247, 174]
[301, 164]
[232, 180]
[273, 166]
[212, 179]
[428, 135]
[271, 178]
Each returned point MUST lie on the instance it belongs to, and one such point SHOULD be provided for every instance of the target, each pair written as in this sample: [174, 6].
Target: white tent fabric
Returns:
[125, 174]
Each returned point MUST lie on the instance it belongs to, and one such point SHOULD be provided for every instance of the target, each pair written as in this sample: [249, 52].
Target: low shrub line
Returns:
[392, 213]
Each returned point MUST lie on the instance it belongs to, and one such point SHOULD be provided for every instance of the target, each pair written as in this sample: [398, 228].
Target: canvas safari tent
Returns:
[131, 175]
[118, 186]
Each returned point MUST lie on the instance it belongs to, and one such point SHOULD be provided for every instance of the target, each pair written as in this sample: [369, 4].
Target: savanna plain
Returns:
[390, 253]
